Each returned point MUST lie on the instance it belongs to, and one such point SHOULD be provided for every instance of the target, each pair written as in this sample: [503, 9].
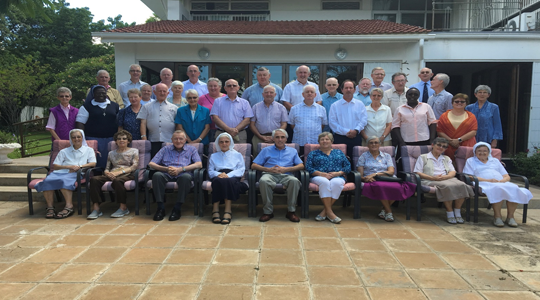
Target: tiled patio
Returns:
[137, 258]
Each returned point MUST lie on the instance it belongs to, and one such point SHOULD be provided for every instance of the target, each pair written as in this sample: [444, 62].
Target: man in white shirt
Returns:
[395, 97]
[348, 117]
[193, 82]
[292, 93]
[166, 76]
[424, 86]
[134, 82]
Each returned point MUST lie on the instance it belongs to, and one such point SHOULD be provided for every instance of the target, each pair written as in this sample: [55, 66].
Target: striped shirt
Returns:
[169, 156]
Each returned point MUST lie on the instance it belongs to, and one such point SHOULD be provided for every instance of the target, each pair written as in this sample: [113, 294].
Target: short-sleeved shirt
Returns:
[440, 103]
[125, 86]
[159, 118]
[169, 156]
[377, 120]
[438, 165]
[269, 118]
[414, 122]
[254, 93]
[127, 119]
[420, 87]
[231, 112]
[374, 165]
[71, 157]
[307, 121]
[334, 162]
[327, 102]
[271, 156]
[393, 99]
[366, 99]
[199, 86]
[292, 92]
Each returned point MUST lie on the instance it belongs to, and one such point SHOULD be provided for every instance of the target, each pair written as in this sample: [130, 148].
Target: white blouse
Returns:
[71, 157]
[231, 159]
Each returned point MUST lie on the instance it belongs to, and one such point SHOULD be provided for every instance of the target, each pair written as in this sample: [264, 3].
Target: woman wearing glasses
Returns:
[457, 125]
[437, 170]
[194, 119]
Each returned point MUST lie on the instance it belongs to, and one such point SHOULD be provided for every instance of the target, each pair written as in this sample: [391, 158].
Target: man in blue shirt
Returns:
[330, 97]
[424, 85]
[254, 93]
[363, 91]
[277, 162]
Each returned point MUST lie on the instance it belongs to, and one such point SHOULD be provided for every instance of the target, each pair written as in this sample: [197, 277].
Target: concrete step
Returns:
[17, 179]
[23, 165]
[18, 193]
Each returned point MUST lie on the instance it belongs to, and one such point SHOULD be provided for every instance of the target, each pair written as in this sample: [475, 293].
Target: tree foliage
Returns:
[153, 18]
[114, 23]
[29, 8]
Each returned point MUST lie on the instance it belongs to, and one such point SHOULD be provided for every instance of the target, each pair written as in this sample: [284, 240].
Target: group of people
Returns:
[372, 113]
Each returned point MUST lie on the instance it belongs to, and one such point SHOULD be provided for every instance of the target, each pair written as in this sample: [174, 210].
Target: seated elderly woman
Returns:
[494, 182]
[194, 119]
[226, 169]
[328, 168]
[120, 166]
[436, 169]
[63, 178]
[376, 168]
[177, 87]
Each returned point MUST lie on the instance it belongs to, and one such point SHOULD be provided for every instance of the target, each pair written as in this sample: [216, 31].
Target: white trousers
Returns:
[329, 188]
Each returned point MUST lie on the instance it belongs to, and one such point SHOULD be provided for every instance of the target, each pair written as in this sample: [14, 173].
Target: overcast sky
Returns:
[131, 10]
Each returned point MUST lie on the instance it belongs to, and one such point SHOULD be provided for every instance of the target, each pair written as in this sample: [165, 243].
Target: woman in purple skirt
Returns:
[373, 166]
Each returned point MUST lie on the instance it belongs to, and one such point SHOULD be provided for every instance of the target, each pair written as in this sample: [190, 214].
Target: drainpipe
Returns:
[421, 53]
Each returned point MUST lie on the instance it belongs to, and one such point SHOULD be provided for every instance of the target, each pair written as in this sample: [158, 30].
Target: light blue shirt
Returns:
[271, 156]
[440, 103]
[307, 121]
[420, 87]
[125, 86]
[327, 101]
[199, 86]
[366, 99]
[292, 92]
[254, 93]
[489, 121]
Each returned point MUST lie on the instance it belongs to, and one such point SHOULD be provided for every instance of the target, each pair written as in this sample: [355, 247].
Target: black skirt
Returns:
[227, 188]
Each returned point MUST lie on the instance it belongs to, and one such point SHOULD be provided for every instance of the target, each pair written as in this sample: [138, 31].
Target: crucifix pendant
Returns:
[104, 114]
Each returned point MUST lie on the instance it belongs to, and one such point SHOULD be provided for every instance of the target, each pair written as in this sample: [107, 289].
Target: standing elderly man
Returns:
[378, 74]
[292, 93]
[363, 90]
[277, 163]
[268, 116]
[166, 76]
[174, 163]
[348, 117]
[103, 79]
[134, 82]
[330, 97]
[424, 86]
[231, 113]
[158, 116]
[254, 93]
[395, 97]
[441, 100]
[307, 119]
[193, 82]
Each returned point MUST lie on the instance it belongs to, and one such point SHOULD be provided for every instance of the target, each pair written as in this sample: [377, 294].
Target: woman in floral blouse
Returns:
[328, 168]
[121, 163]
[127, 117]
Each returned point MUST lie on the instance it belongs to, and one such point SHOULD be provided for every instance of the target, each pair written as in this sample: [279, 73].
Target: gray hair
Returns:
[134, 91]
[444, 78]
[280, 130]
[439, 140]
[332, 78]
[135, 65]
[214, 79]
[177, 82]
[373, 138]
[102, 71]
[179, 131]
[309, 86]
[164, 69]
[482, 87]
[192, 91]
[263, 69]
[399, 74]
[376, 69]
[63, 90]
[379, 90]
[364, 78]
[326, 133]
[309, 70]
[269, 87]
[146, 84]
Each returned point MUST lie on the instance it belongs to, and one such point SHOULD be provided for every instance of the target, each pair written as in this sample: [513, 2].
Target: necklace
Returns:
[104, 110]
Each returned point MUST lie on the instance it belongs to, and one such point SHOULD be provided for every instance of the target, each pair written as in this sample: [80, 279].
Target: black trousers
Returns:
[342, 139]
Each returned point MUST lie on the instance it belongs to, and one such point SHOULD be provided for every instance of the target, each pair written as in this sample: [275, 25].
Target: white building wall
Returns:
[534, 122]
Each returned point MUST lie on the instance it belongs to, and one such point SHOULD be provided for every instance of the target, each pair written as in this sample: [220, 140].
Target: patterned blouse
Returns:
[128, 120]
[335, 162]
[372, 165]
[127, 160]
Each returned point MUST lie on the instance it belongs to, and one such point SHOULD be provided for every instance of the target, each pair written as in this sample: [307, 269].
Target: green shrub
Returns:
[528, 165]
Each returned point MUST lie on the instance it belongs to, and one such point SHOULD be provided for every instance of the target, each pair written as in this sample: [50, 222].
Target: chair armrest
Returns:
[409, 176]
[29, 175]
[525, 179]
[357, 179]
[404, 176]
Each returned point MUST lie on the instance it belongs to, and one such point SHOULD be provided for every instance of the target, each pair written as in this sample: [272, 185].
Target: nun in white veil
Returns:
[495, 184]
[226, 168]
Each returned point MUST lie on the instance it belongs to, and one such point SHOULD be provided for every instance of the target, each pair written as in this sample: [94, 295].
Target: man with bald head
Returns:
[166, 76]
[307, 119]
[292, 93]
[158, 116]
[134, 82]
[193, 82]
[231, 113]
[268, 116]
[424, 86]
[103, 79]
[330, 97]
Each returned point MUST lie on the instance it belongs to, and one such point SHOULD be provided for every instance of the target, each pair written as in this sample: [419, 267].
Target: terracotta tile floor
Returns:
[137, 258]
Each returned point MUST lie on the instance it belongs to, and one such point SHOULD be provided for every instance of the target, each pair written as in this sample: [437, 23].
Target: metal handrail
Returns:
[23, 128]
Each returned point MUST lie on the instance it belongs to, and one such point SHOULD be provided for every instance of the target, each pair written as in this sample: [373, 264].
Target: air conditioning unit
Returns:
[527, 22]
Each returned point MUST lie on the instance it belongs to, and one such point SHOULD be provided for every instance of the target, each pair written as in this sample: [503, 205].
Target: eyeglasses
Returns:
[460, 101]
[425, 72]
[400, 81]
[231, 85]
[122, 139]
[64, 96]
[280, 137]
[441, 145]
[189, 98]
[331, 84]
[379, 74]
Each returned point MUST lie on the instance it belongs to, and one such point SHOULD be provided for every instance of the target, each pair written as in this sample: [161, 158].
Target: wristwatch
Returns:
[460, 140]
[183, 169]
[144, 135]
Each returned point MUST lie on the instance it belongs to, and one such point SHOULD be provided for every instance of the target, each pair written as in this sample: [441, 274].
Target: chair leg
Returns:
[147, 198]
[356, 206]
[419, 207]
[525, 207]
[408, 209]
[475, 216]
[468, 209]
[201, 203]
[30, 202]
[79, 202]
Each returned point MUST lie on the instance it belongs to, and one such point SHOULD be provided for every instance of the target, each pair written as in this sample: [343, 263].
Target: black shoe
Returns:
[175, 215]
[160, 214]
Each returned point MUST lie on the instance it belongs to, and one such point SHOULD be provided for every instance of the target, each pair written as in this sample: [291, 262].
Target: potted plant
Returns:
[8, 143]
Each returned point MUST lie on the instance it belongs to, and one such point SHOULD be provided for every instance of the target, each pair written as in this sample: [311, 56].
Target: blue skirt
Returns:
[56, 181]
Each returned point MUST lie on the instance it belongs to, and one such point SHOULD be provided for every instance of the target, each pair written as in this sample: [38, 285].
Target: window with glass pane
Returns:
[413, 19]
[413, 4]
[182, 72]
[237, 72]
[385, 17]
[314, 77]
[151, 70]
[386, 4]
[276, 73]
[341, 73]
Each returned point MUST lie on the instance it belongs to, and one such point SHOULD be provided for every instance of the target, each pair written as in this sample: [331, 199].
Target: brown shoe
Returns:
[292, 217]
[266, 217]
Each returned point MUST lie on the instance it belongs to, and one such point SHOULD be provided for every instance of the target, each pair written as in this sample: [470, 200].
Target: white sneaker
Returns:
[460, 220]
[120, 213]
[511, 222]
[451, 220]
[94, 215]
[498, 222]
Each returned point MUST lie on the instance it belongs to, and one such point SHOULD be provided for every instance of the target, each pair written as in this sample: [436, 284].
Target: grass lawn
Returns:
[35, 142]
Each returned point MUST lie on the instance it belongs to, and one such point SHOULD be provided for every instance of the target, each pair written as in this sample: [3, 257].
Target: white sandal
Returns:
[389, 217]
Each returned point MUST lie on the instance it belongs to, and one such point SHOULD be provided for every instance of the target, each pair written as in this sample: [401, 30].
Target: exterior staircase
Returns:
[13, 178]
